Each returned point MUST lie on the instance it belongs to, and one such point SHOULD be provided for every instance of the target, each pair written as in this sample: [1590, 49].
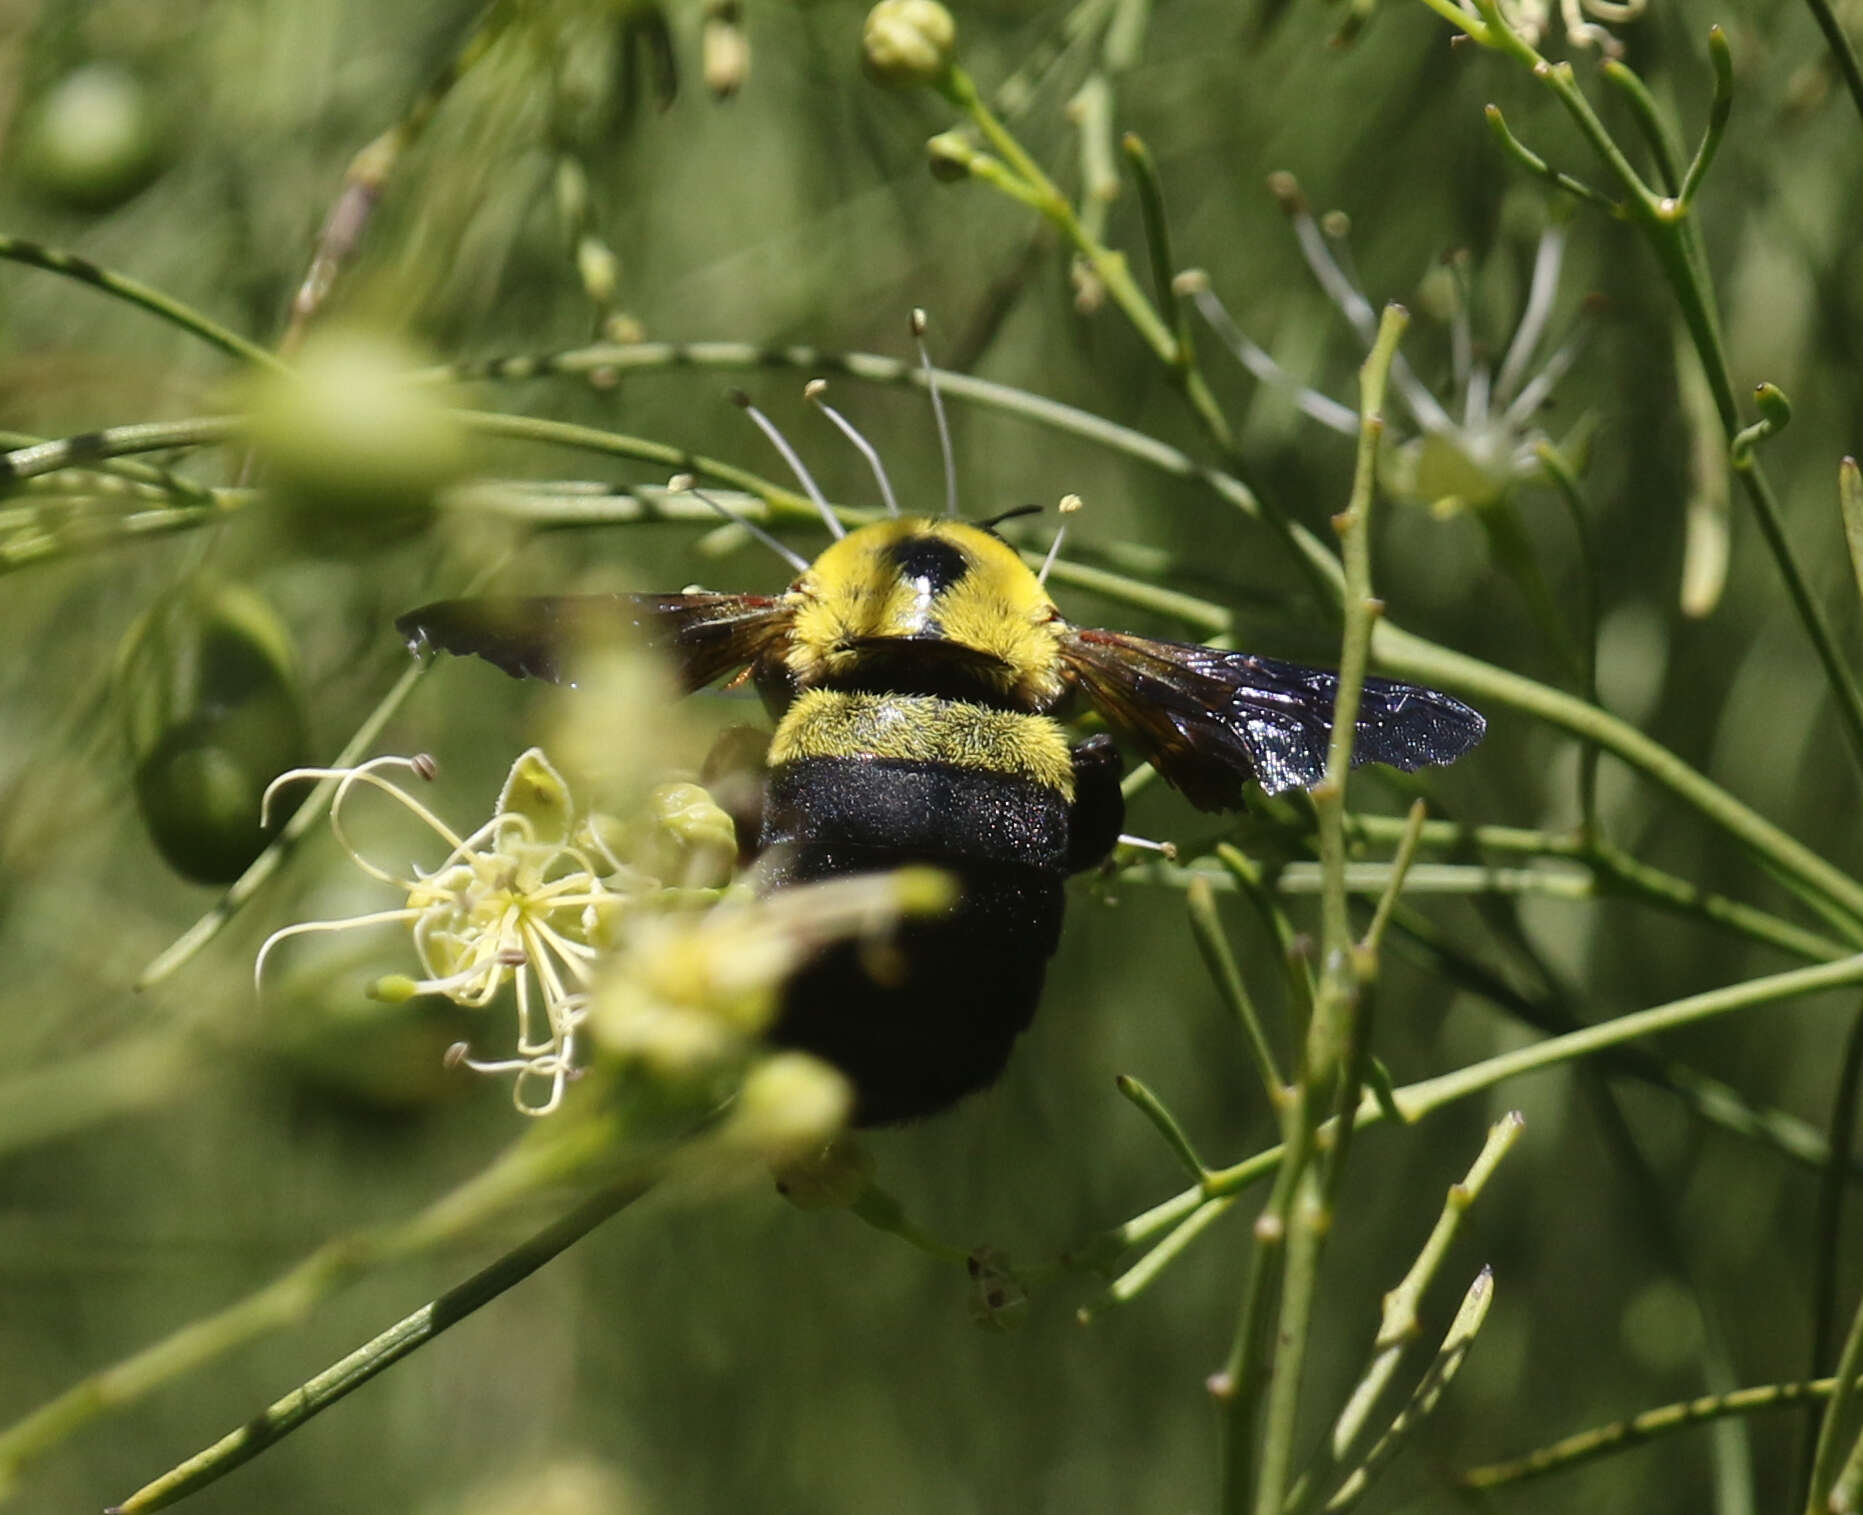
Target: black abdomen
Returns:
[929, 1015]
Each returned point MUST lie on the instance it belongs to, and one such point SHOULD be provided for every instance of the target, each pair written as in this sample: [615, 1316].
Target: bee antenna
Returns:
[814, 390]
[944, 431]
[684, 483]
[1014, 513]
[781, 443]
[1069, 504]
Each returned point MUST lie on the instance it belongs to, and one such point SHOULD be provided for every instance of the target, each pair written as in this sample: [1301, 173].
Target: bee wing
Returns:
[1210, 720]
[705, 635]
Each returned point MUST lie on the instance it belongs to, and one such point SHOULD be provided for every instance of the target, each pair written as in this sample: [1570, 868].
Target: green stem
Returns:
[1673, 233]
[288, 1299]
[1662, 143]
[1832, 1185]
[1842, 52]
[1164, 1122]
[115, 442]
[1158, 244]
[1828, 1460]
[1456, 1343]
[122, 287]
[1401, 1321]
[1406, 654]
[407, 1335]
[1603, 1440]
[1426, 1097]
[615, 444]
[1719, 109]
[1207, 928]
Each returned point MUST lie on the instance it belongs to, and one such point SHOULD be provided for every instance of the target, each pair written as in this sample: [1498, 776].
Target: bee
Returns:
[916, 669]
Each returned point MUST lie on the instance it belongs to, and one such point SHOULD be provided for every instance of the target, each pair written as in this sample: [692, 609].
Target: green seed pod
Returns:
[93, 139]
[208, 686]
[908, 42]
[352, 449]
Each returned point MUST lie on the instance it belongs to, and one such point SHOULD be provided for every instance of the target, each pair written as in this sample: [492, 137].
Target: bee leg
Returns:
[1099, 811]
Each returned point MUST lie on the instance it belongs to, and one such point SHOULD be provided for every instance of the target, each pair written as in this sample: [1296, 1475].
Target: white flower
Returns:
[531, 899]
[1470, 449]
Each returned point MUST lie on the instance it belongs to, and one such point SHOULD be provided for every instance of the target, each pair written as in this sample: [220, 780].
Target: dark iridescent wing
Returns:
[705, 635]
[1211, 720]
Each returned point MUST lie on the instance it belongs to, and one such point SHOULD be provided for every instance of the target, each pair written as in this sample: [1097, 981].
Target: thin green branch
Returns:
[1600, 1441]
[1571, 493]
[1328, 1050]
[1842, 52]
[1136, 1279]
[1158, 245]
[1850, 508]
[1719, 109]
[1828, 1462]
[1248, 877]
[1448, 1362]
[1401, 865]
[1331, 1063]
[883, 1212]
[1426, 1097]
[1400, 1323]
[1832, 1187]
[90, 447]
[122, 287]
[1248, 1380]
[1673, 233]
[1403, 653]
[515, 1177]
[1663, 146]
[1207, 927]
[407, 1335]
[615, 444]
[366, 177]
[1164, 1122]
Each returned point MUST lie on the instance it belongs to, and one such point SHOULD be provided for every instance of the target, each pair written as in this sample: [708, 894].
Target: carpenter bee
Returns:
[914, 670]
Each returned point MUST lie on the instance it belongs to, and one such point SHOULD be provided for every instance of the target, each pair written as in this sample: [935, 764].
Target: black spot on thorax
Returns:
[930, 560]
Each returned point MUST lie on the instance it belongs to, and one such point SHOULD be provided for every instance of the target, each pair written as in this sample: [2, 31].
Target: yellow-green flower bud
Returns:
[949, 156]
[725, 50]
[790, 1104]
[908, 42]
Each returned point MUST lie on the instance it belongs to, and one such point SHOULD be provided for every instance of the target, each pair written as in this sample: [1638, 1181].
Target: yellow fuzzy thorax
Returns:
[856, 590]
[922, 728]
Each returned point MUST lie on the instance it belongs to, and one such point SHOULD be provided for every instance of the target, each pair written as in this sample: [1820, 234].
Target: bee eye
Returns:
[931, 561]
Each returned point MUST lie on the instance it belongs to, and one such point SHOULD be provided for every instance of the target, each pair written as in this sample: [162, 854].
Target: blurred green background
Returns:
[734, 1353]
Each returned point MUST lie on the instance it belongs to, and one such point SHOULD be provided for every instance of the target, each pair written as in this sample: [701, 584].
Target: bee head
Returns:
[939, 594]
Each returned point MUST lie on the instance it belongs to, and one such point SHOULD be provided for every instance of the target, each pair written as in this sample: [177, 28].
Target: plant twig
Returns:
[122, 287]
[1842, 52]
[1400, 1323]
[515, 1177]
[405, 1336]
[1600, 1441]
[1207, 928]
[1448, 1362]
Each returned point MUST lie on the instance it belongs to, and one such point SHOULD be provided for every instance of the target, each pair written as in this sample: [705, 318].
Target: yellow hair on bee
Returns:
[918, 728]
[931, 580]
